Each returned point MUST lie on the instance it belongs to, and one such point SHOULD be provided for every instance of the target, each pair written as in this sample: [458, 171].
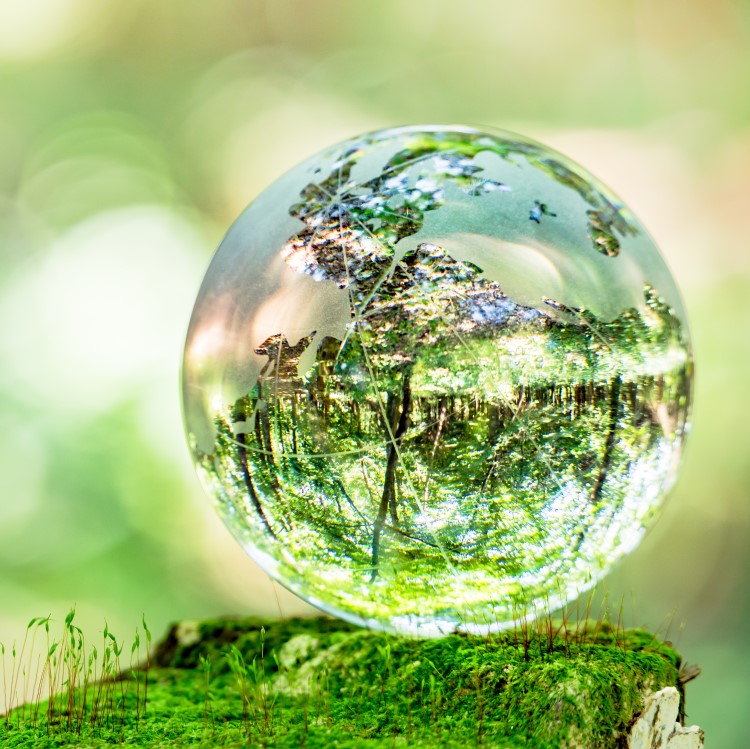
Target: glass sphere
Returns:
[436, 377]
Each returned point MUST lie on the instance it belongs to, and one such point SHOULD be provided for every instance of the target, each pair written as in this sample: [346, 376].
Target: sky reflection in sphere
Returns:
[436, 375]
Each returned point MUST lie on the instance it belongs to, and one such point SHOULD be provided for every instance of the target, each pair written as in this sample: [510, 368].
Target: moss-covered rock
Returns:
[322, 683]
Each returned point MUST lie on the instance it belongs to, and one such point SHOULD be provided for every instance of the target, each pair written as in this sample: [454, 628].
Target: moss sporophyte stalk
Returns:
[435, 375]
[323, 683]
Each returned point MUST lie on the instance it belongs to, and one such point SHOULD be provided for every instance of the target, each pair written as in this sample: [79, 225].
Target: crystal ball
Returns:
[435, 377]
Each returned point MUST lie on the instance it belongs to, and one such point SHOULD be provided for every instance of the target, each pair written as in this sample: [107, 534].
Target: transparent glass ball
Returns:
[435, 377]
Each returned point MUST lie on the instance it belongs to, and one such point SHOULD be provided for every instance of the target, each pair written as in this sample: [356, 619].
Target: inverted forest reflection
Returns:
[456, 455]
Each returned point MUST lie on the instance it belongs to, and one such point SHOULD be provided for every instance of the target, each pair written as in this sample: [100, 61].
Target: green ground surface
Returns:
[321, 683]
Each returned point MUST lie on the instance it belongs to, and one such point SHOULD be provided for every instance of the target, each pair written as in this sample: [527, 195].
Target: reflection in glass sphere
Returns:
[436, 375]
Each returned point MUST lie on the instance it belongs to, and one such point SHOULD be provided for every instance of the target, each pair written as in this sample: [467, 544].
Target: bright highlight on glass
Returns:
[435, 376]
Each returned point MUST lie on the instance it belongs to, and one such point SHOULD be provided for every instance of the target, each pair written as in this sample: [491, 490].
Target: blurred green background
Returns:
[133, 133]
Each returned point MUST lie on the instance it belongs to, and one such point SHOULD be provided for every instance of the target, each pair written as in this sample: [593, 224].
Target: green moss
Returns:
[322, 683]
